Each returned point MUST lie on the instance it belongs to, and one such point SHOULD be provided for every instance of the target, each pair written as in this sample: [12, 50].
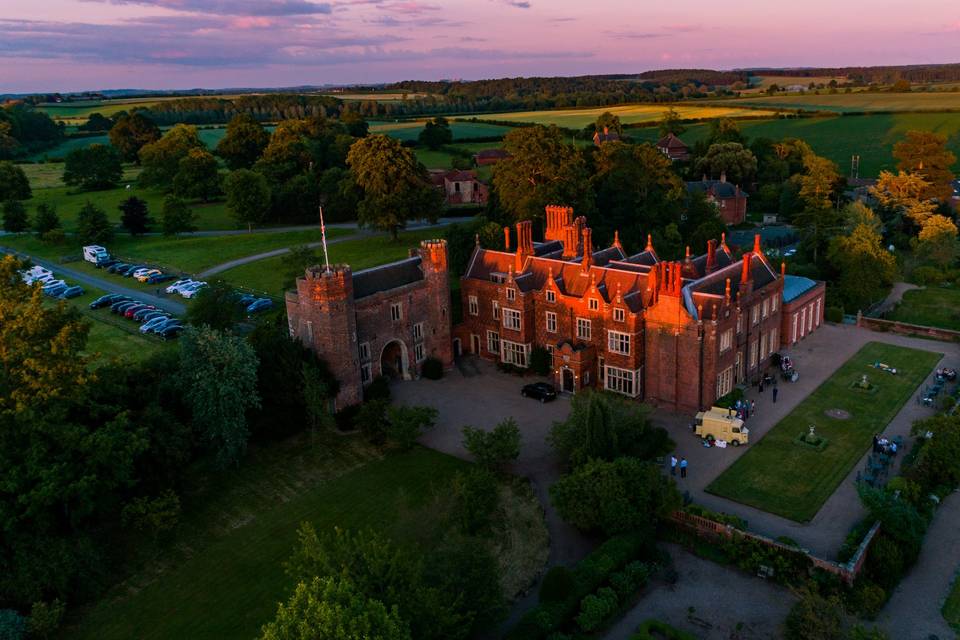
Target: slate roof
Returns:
[796, 286]
[386, 277]
[718, 188]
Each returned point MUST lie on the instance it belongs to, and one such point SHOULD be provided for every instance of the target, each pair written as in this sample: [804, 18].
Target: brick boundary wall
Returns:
[905, 328]
[706, 528]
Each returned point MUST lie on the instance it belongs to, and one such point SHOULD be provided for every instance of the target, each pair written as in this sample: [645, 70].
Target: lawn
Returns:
[870, 136]
[410, 129]
[859, 101]
[781, 477]
[932, 307]
[267, 275]
[188, 254]
[231, 586]
[951, 607]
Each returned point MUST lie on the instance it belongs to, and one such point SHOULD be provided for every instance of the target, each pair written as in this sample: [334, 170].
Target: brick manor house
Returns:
[381, 321]
[676, 333]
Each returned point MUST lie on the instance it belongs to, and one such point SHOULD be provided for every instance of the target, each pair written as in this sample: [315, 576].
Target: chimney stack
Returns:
[506, 238]
[711, 255]
[783, 269]
[756, 244]
[745, 274]
[649, 246]
[727, 294]
[587, 248]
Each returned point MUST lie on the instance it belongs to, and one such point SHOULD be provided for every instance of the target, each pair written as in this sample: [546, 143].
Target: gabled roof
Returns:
[716, 188]
[386, 277]
[671, 141]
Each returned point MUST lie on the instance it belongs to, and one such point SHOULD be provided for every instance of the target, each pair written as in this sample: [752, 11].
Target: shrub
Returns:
[541, 362]
[12, 625]
[833, 314]
[378, 389]
[371, 420]
[730, 399]
[885, 564]
[596, 608]
[927, 275]
[431, 369]
[814, 617]
[868, 599]
[493, 449]
[656, 630]
[45, 619]
[476, 497]
[557, 585]
[630, 579]
[406, 424]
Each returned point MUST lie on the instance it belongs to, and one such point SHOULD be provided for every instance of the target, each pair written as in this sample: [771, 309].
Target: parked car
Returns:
[160, 277]
[121, 307]
[260, 304]
[106, 264]
[246, 299]
[116, 266]
[541, 391]
[132, 310]
[71, 292]
[140, 313]
[160, 326]
[192, 290]
[36, 274]
[52, 283]
[139, 271]
[154, 323]
[132, 269]
[55, 290]
[106, 300]
[179, 284]
[143, 276]
[170, 330]
[155, 313]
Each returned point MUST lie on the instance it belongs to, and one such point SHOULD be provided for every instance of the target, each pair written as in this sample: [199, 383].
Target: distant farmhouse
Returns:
[729, 198]
[674, 148]
[459, 187]
[489, 156]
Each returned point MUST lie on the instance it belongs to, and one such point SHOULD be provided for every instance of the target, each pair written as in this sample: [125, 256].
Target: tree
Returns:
[937, 242]
[332, 608]
[15, 218]
[14, 184]
[938, 463]
[131, 133]
[866, 268]
[96, 122]
[248, 196]
[729, 159]
[96, 166]
[406, 424]
[93, 226]
[476, 496]
[493, 449]
[220, 384]
[339, 194]
[46, 219]
[609, 122]
[925, 153]
[161, 159]
[814, 617]
[626, 494]
[857, 213]
[819, 220]
[436, 133]
[45, 619]
[215, 306]
[355, 124]
[394, 183]
[135, 216]
[243, 143]
[723, 130]
[295, 262]
[900, 197]
[177, 216]
[637, 190]
[287, 154]
[605, 426]
[317, 395]
[671, 123]
[152, 516]
[197, 176]
[542, 169]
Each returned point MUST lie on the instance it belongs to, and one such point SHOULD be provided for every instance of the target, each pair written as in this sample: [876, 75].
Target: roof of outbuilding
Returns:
[796, 286]
[386, 277]
[718, 188]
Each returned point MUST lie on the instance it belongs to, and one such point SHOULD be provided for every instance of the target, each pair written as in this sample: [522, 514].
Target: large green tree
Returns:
[135, 216]
[15, 219]
[866, 268]
[215, 306]
[395, 184]
[14, 184]
[819, 221]
[436, 133]
[937, 241]
[637, 191]
[96, 166]
[219, 384]
[131, 133]
[248, 196]
[243, 143]
[671, 123]
[542, 169]
[626, 494]
[46, 218]
[177, 217]
[730, 160]
[93, 226]
[161, 159]
[926, 154]
[198, 175]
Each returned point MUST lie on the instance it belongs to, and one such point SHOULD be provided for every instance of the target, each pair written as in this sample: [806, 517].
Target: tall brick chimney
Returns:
[745, 272]
[587, 248]
[524, 243]
[756, 243]
[506, 238]
[558, 217]
[711, 255]
[649, 246]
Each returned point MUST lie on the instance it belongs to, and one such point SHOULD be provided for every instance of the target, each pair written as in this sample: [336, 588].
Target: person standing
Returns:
[673, 465]
[753, 406]
[775, 393]
[683, 467]
[761, 384]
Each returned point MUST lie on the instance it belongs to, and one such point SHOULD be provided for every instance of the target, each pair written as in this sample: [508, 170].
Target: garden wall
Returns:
[712, 530]
[905, 328]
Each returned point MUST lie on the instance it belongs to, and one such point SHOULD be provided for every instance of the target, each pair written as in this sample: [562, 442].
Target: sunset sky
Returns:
[70, 45]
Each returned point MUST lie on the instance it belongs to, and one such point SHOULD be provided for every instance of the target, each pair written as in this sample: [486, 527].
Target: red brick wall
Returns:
[804, 304]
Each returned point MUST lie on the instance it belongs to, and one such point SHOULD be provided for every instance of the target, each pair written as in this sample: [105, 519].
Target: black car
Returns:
[114, 268]
[160, 277]
[170, 330]
[106, 264]
[106, 300]
[541, 391]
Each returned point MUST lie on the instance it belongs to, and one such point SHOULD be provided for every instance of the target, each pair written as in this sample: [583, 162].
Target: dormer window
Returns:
[619, 314]
[511, 294]
[593, 304]
[551, 296]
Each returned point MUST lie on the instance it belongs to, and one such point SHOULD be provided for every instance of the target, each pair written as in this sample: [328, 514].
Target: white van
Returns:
[35, 274]
[95, 253]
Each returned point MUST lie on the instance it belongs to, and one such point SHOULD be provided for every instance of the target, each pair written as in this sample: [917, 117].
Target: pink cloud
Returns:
[251, 22]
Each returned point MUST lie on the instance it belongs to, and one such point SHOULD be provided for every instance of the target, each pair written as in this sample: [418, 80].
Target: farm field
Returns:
[859, 101]
[409, 129]
[792, 481]
[210, 136]
[932, 307]
[628, 114]
[839, 137]
[383, 96]
[232, 585]
[761, 83]
[267, 275]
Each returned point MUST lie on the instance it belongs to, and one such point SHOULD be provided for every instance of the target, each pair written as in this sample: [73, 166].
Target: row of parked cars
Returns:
[52, 286]
[186, 287]
[148, 275]
[151, 319]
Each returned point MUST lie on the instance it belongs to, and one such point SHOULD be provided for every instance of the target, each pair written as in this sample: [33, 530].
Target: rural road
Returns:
[67, 273]
[219, 268]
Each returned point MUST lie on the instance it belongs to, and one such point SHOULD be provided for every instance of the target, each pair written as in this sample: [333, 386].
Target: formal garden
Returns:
[791, 474]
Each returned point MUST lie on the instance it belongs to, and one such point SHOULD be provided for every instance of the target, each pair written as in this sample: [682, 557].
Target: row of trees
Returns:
[24, 130]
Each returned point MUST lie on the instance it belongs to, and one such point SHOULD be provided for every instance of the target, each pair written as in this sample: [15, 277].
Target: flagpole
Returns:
[323, 237]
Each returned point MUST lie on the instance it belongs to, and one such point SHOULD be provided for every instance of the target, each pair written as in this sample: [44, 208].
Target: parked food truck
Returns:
[721, 424]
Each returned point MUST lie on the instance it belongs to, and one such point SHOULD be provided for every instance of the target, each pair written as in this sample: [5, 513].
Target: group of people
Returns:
[682, 464]
[767, 379]
[882, 445]
[744, 408]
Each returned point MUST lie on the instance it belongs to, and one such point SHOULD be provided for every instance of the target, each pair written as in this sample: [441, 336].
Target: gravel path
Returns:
[894, 297]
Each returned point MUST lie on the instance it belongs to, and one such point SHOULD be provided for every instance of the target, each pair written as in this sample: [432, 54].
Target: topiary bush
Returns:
[431, 369]
[596, 608]
[557, 585]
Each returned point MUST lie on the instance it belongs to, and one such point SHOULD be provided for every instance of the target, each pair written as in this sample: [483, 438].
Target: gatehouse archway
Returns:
[394, 362]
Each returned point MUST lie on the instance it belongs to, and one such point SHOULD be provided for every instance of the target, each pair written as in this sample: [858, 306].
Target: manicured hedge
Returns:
[585, 578]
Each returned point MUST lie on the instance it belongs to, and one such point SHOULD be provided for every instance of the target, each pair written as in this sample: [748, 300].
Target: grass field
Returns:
[932, 307]
[761, 83]
[210, 136]
[781, 477]
[837, 138]
[410, 129]
[860, 101]
[231, 586]
[628, 114]
[951, 607]
[267, 275]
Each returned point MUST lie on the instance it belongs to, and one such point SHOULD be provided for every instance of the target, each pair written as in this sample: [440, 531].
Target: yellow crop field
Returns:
[628, 114]
[860, 101]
